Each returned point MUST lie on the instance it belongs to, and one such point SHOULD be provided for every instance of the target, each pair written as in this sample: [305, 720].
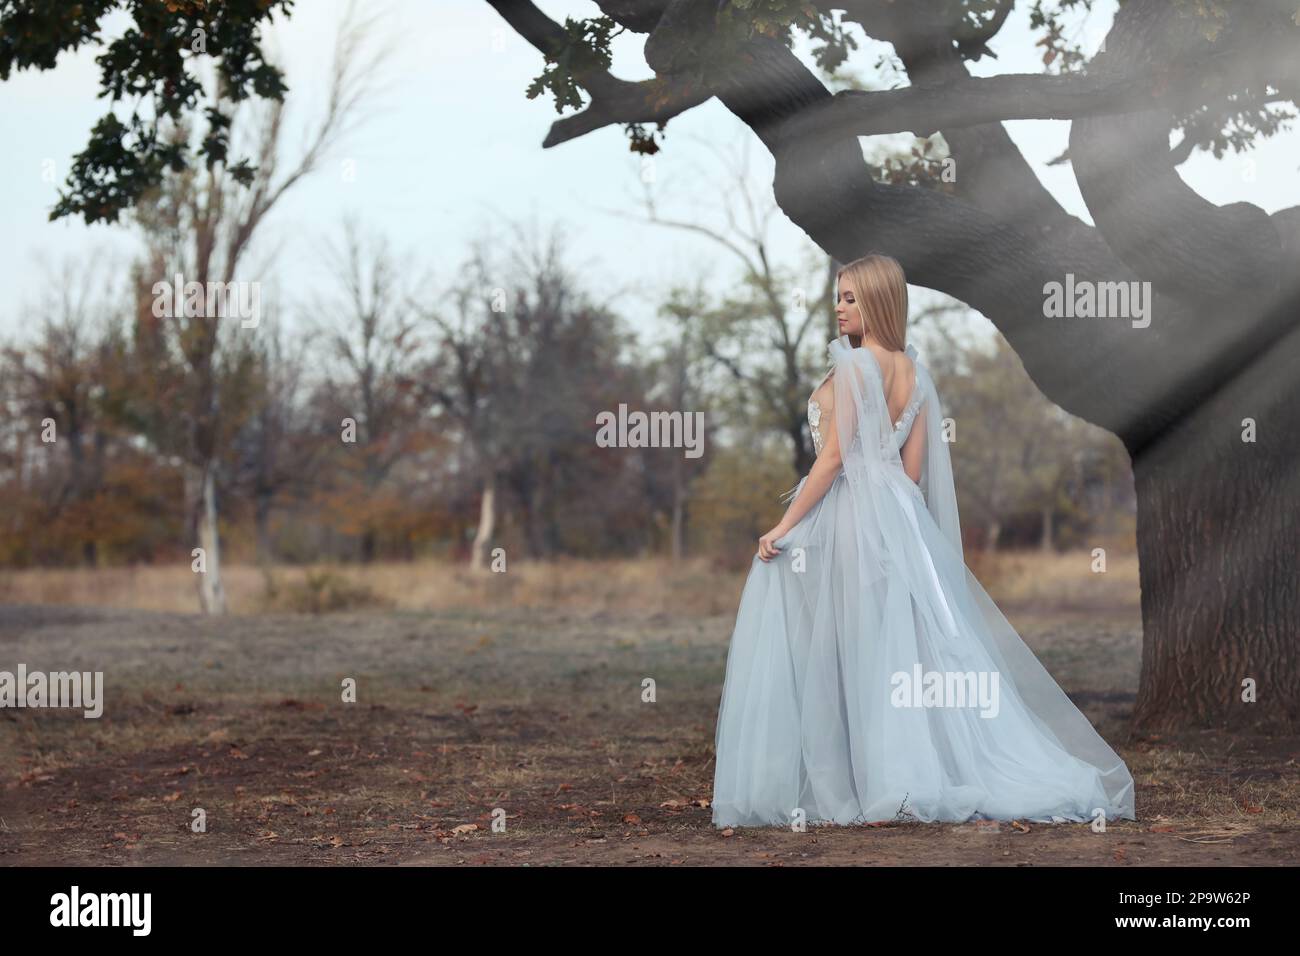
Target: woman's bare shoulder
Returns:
[894, 362]
[907, 363]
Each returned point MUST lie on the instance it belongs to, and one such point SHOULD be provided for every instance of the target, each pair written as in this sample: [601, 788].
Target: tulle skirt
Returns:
[871, 678]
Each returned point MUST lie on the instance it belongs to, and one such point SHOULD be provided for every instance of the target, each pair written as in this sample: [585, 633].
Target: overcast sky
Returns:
[453, 148]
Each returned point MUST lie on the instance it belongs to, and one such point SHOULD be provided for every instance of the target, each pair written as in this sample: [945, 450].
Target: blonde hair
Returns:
[880, 293]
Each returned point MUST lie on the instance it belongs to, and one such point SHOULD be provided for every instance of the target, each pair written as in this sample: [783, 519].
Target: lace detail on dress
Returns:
[814, 419]
[904, 424]
[815, 412]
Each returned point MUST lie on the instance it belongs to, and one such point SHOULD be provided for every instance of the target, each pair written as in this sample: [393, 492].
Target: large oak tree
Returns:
[1218, 517]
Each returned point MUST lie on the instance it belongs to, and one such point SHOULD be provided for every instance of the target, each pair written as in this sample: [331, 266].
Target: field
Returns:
[523, 699]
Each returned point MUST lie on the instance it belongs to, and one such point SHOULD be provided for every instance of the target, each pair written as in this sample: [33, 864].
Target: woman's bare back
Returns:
[898, 375]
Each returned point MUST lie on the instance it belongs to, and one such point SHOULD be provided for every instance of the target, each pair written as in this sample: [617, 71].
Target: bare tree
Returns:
[524, 363]
[66, 377]
[765, 333]
[468, 384]
[279, 448]
[680, 378]
[376, 350]
[201, 224]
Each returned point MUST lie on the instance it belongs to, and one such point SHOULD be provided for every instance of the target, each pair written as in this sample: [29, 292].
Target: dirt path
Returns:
[537, 715]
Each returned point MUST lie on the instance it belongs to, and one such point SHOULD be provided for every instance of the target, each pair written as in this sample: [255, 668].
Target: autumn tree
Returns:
[61, 388]
[277, 452]
[560, 360]
[371, 400]
[199, 219]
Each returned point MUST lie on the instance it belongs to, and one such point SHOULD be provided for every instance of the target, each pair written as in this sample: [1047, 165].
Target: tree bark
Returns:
[1218, 522]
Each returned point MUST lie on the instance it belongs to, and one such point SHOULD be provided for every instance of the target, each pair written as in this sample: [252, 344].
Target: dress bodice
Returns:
[903, 427]
[821, 414]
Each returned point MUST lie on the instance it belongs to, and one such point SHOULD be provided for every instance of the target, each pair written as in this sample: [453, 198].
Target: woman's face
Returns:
[846, 310]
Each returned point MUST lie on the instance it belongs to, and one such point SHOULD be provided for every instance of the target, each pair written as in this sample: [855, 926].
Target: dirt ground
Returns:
[537, 715]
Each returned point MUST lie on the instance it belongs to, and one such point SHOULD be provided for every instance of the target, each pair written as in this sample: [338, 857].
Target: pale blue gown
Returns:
[870, 677]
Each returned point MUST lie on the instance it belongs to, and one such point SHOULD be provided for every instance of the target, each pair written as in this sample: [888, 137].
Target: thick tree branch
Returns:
[944, 243]
[613, 101]
[972, 101]
[616, 102]
[991, 172]
[1167, 232]
[1134, 385]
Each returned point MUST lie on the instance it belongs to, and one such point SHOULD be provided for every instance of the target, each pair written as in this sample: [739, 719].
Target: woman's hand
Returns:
[767, 549]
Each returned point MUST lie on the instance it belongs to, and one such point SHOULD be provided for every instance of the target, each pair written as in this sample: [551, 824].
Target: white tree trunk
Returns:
[487, 519]
[201, 487]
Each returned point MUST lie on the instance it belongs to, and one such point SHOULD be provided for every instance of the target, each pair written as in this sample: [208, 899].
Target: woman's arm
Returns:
[820, 478]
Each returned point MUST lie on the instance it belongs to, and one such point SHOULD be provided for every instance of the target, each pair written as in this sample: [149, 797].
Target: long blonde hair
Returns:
[880, 293]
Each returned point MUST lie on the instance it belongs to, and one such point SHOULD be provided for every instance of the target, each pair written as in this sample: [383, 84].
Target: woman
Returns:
[870, 677]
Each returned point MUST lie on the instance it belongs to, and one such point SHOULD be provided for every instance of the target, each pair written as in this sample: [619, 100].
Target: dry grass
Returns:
[1063, 581]
[537, 713]
[522, 692]
[695, 586]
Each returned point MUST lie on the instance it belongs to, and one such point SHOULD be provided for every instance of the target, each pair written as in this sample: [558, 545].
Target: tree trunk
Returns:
[679, 525]
[538, 519]
[1218, 524]
[993, 533]
[1046, 542]
[81, 487]
[262, 520]
[487, 519]
[201, 492]
[679, 508]
[804, 454]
